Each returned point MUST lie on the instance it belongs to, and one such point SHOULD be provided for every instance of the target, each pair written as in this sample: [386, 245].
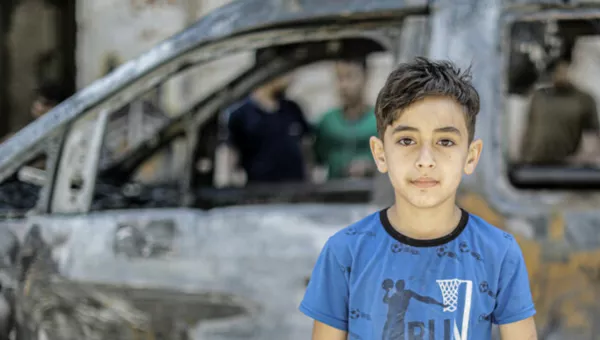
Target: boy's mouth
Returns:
[425, 182]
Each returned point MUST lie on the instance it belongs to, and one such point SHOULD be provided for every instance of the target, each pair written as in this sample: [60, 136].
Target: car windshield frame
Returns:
[381, 32]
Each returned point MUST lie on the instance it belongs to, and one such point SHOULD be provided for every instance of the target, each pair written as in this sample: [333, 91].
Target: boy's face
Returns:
[426, 151]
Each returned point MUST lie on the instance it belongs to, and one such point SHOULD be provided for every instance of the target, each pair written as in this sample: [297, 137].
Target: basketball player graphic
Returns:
[397, 306]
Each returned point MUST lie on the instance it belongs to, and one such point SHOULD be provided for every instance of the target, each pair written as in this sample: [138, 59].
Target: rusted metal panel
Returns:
[254, 258]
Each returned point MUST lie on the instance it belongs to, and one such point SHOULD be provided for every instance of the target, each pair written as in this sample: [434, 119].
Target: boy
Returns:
[423, 268]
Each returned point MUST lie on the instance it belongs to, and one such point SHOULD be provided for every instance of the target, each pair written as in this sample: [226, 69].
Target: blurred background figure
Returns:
[342, 135]
[562, 125]
[266, 132]
[49, 94]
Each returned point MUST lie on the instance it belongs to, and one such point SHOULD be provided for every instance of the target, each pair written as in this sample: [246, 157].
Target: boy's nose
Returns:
[426, 159]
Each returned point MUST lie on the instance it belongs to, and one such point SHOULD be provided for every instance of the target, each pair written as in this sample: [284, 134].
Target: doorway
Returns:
[37, 45]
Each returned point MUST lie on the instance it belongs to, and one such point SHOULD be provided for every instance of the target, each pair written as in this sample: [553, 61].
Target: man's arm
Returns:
[307, 140]
[520, 330]
[227, 159]
[322, 331]
[588, 151]
[319, 150]
[228, 153]
[526, 152]
[590, 141]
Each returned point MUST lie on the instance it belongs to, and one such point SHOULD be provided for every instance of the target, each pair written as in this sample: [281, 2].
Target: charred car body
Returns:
[227, 269]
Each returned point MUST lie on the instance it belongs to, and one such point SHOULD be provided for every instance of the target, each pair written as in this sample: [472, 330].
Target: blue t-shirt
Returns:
[269, 143]
[376, 283]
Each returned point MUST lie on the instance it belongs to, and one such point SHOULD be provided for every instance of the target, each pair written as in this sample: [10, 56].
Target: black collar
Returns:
[462, 224]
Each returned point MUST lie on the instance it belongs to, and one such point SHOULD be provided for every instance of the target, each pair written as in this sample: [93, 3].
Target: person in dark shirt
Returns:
[267, 132]
[562, 125]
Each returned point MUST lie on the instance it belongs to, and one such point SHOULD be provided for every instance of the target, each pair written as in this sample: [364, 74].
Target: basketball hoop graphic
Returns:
[450, 294]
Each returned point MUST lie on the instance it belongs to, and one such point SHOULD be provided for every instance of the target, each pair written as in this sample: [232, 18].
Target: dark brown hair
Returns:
[413, 81]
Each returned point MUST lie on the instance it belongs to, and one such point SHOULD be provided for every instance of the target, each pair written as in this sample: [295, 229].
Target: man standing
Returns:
[342, 136]
[562, 124]
[266, 131]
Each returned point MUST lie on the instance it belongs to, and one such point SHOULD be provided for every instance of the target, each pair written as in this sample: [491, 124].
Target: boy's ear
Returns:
[378, 154]
[473, 156]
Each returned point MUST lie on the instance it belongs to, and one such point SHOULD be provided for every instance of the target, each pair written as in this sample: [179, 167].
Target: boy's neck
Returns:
[424, 224]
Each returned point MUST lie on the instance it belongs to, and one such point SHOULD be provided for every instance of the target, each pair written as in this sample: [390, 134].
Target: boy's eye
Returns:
[406, 141]
[446, 142]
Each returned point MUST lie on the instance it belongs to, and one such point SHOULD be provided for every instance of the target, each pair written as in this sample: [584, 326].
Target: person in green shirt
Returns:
[342, 135]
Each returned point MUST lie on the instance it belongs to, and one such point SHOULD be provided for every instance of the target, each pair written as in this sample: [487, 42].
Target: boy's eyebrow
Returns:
[448, 129]
[401, 128]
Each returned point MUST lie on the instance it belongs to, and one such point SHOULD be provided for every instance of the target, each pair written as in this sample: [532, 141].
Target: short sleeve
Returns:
[530, 135]
[326, 297]
[514, 301]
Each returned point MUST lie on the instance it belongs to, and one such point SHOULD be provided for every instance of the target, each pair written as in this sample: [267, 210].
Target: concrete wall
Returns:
[120, 30]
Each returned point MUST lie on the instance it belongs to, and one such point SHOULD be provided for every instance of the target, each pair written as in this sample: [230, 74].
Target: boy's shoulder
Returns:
[344, 241]
[365, 226]
[493, 238]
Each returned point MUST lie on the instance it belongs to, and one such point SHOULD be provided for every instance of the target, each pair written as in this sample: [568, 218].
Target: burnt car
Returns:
[233, 262]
